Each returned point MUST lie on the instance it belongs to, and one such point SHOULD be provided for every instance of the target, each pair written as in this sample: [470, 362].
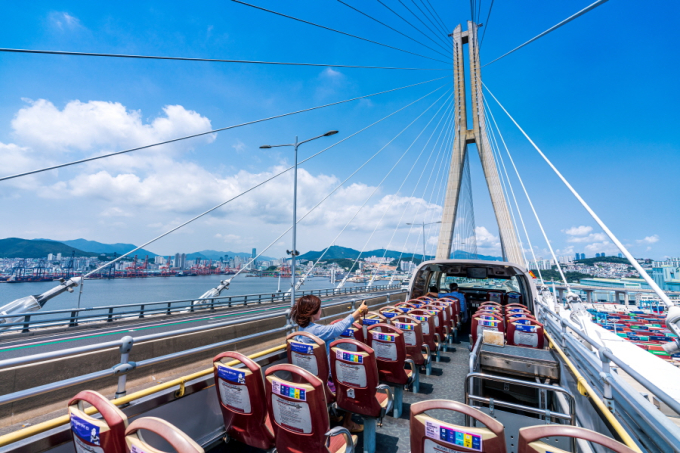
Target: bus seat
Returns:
[485, 321]
[529, 439]
[357, 380]
[311, 357]
[525, 332]
[415, 343]
[179, 441]
[430, 334]
[406, 306]
[105, 434]
[441, 323]
[429, 435]
[390, 353]
[300, 416]
[416, 302]
[390, 311]
[455, 306]
[353, 332]
[372, 318]
[240, 392]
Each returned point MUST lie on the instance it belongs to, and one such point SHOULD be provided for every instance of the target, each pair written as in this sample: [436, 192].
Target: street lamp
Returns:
[294, 252]
[424, 225]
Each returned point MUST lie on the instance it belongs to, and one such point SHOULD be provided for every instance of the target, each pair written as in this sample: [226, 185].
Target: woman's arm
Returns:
[332, 331]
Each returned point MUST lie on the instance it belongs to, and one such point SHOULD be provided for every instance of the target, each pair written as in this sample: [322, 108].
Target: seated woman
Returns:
[434, 292]
[306, 313]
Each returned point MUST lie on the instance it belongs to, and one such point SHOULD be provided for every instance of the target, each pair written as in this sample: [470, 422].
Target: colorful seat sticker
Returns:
[349, 356]
[488, 323]
[422, 318]
[231, 375]
[383, 337]
[289, 391]
[453, 436]
[402, 326]
[525, 328]
[302, 348]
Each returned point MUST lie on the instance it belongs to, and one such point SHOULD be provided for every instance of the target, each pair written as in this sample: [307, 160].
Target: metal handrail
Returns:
[606, 356]
[35, 391]
[117, 343]
[168, 307]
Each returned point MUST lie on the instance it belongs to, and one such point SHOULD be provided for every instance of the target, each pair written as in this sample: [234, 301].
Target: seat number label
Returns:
[450, 435]
[289, 391]
[349, 357]
[228, 374]
[383, 337]
[292, 415]
[302, 348]
[85, 430]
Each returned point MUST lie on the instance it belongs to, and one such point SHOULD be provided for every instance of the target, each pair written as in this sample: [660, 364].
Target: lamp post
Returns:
[294, 252]
[423, 224]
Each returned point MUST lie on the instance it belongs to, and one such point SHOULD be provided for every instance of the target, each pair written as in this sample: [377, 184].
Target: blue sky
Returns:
[599, 97]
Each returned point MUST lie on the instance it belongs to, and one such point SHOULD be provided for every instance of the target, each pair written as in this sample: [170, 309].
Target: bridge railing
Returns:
[595, 361]
[126, 344]
[72, 317]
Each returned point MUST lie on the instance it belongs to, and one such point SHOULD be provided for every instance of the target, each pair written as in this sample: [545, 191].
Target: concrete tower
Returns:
[477, 135]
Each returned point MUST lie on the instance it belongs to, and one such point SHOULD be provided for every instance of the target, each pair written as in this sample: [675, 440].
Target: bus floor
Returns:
[445, 382]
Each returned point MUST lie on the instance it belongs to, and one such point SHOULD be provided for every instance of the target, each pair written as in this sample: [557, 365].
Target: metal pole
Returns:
[423, 241]
[292, 264]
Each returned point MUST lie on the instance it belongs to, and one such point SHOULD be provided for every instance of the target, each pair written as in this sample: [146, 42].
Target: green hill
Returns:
[24, 248]
[603, 259]
[336, 252]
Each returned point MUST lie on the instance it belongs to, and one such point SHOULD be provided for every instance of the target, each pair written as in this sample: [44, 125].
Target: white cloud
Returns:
[593, 237]
[330, 73]
[84, 126]
[239, 146]
[114, 211]
[605, 247]
[63, 20]
[649, 239]
[487, 240]
[578, 230]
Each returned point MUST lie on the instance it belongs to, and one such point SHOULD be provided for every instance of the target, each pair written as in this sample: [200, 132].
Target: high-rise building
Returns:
[578, 256]
[254, 254]
[58, 256]
[180, 260]
[620, 255]
[50, 257]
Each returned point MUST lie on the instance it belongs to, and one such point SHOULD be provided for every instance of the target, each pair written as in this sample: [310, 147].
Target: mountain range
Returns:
[337, 252]
[40, 248]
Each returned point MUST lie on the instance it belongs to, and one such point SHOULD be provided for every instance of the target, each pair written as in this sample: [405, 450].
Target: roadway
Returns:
[48, 340]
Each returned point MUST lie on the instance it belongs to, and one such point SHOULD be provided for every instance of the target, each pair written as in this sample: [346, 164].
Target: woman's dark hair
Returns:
[303, 310]
[433, 289]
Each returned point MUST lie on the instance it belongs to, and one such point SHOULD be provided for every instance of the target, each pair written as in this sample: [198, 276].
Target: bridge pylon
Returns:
[477, 135]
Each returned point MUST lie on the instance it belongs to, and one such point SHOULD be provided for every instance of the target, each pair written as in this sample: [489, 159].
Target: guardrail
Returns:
[650, 423]
[109, 313]
[124, 367]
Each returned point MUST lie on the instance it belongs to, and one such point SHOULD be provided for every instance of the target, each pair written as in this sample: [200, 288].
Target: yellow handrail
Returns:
[55, 422]
[586, 390]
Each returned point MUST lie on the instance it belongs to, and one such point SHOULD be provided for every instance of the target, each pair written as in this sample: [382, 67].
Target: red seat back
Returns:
[427, 323]
[180, 442]
[297, 410]
[372, 318]
[390, 312]
[240, 392]
[311, 357]
[447, 306]
[529, 438]
[417, 303]
[439, 320]
[356, 377]
[390, 353]
[405, 307]
[525, 332]
[485, 321]
[412, 331]
[353, 332]
[429, 435]
[89, 433]
[455, 306]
